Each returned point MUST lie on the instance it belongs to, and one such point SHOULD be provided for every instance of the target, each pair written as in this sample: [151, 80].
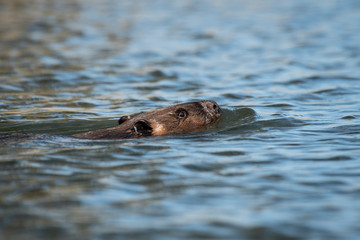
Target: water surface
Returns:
[282, 163]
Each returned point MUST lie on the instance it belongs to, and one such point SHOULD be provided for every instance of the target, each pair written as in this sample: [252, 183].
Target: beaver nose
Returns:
[216, 108]
[211, 106]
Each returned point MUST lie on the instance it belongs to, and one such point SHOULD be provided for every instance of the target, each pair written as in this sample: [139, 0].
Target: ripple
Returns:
[334, 158]
[333, 91]
[228, 153]
[348, 117]
[280, 123]
[233, 118]
[236, 96]
[279, 105]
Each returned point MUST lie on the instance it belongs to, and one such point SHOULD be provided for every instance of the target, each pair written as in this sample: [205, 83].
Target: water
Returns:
[282, 163]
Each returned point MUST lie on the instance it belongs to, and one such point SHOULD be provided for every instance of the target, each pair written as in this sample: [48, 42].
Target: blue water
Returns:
[283, 162]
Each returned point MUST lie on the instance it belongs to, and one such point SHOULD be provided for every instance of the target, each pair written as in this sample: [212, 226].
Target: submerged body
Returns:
[178, 119]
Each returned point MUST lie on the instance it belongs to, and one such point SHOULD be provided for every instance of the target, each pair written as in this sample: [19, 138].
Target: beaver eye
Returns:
[181, 113]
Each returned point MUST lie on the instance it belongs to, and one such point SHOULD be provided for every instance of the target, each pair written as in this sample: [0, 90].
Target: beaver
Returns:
[178, 119]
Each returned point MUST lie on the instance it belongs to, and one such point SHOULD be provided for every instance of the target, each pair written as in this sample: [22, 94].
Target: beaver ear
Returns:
[143, 128]
[123, 119]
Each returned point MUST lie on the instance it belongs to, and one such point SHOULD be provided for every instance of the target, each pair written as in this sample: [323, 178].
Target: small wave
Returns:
[234, 118]
[279, 105]
[334, 158]
[245, 120]
[283, 122]
[320, 78]
[333, 91]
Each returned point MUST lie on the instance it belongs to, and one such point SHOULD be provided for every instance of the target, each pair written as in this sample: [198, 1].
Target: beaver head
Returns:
[178, 119]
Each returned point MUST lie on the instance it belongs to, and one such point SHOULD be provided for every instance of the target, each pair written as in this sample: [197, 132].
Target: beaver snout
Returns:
[210, 106]
[211, 109]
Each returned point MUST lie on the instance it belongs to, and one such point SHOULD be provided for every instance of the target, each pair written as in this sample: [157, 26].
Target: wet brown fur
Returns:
[178, 119]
